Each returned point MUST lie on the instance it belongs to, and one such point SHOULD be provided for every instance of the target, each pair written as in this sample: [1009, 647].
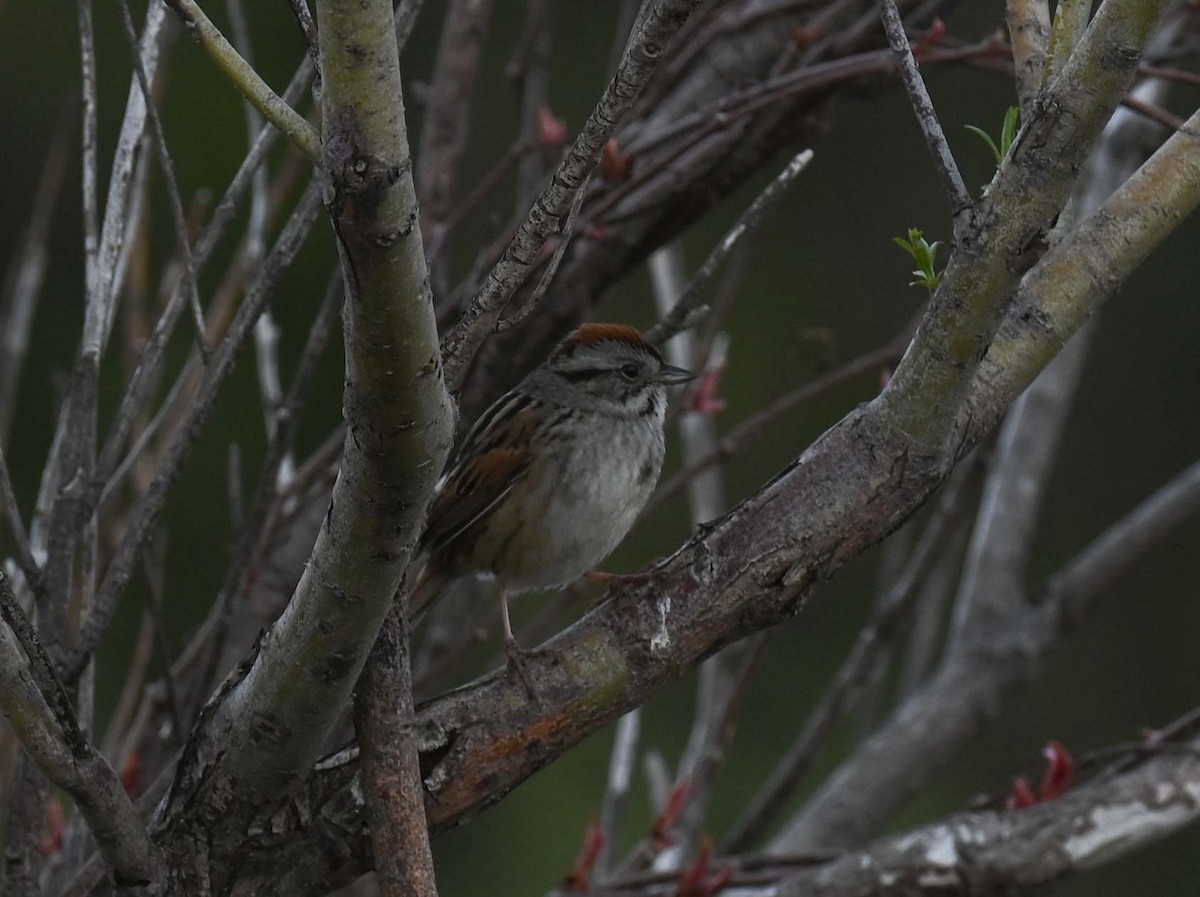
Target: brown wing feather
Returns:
[496, 454]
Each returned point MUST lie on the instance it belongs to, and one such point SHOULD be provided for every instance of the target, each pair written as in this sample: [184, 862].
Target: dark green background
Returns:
[824, 260]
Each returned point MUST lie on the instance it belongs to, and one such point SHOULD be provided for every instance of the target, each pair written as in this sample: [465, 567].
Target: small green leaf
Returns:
[924, 254]
[1008, 133]
[986, 138]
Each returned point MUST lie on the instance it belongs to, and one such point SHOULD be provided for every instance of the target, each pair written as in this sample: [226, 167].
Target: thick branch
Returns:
[1029, 189]
[993, 853]
[1029, 32]
[270, 727]
[750, 570]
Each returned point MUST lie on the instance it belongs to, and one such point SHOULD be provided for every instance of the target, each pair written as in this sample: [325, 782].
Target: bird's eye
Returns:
[629, 371]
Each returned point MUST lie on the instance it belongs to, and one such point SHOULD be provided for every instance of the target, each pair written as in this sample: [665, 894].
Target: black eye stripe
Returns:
[582, 374]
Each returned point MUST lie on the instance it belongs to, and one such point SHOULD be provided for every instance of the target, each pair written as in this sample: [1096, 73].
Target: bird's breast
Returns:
[586, 499]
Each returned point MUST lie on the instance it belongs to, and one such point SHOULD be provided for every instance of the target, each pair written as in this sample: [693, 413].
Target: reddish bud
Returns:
[933, 34]
[551, 130]
[579, 881]
[804, 36]
[131, 773]
[1021, 795]
[704, 398]
[595, 232]
[549, 247]
[614, 165]
[699, 879]
[668, 816]
[52, 837]
[1060, 771]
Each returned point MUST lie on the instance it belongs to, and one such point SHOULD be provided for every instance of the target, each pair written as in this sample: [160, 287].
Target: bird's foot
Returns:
[516, 661]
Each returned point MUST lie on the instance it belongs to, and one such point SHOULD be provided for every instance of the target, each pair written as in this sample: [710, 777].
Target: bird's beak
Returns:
[669, 375]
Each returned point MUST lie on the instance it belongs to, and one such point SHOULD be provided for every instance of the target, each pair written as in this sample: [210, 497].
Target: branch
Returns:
[1084, 267]
[682, 312]
[26, 271]
[1029, 32]
[929, 727]
[1030, 188]
[991, 853]
[45, 724]
[845, 689]
[168, 170]
[145, 513]
[11, 516]
[931, 128]
[390, 767]
[447, 115]
[994, 571]
[269, 727]
[548, 210]
[750, 570]
[247, 80]
[980, 669]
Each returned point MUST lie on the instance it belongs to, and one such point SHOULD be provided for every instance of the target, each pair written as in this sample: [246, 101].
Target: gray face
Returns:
[610, 376]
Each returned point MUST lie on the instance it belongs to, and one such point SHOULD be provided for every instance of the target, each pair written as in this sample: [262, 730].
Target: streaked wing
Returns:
[495, 455]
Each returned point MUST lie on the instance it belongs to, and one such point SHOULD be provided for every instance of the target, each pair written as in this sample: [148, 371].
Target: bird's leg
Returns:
[514, 653]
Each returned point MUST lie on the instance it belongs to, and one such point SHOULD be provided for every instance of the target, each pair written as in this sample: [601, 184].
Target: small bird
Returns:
[553, 475]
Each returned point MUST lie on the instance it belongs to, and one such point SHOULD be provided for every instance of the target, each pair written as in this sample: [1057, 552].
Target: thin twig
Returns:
[621, 764]
[406, 14]
[91, 214]
[132, 689]
[308, 28]
[659, 25]
[681, 314]
[256, 525]
[12, 516]
[448, 111]
[247, 80]
[528, 68]
[266, 333]
[991, 584]
[146, 512]
[23, 283]
[929, 615]
[943, 159]
[1112, 553]
[154, 563]
[38, 707]
[844, 690]
[721, 680]
[752, 427]
[122, 203]
[467, 204]
[178, 219]
[153, 355]
[564, 240]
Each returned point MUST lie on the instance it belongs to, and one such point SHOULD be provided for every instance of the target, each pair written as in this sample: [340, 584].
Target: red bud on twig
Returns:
[614, 165]
[579, 881]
